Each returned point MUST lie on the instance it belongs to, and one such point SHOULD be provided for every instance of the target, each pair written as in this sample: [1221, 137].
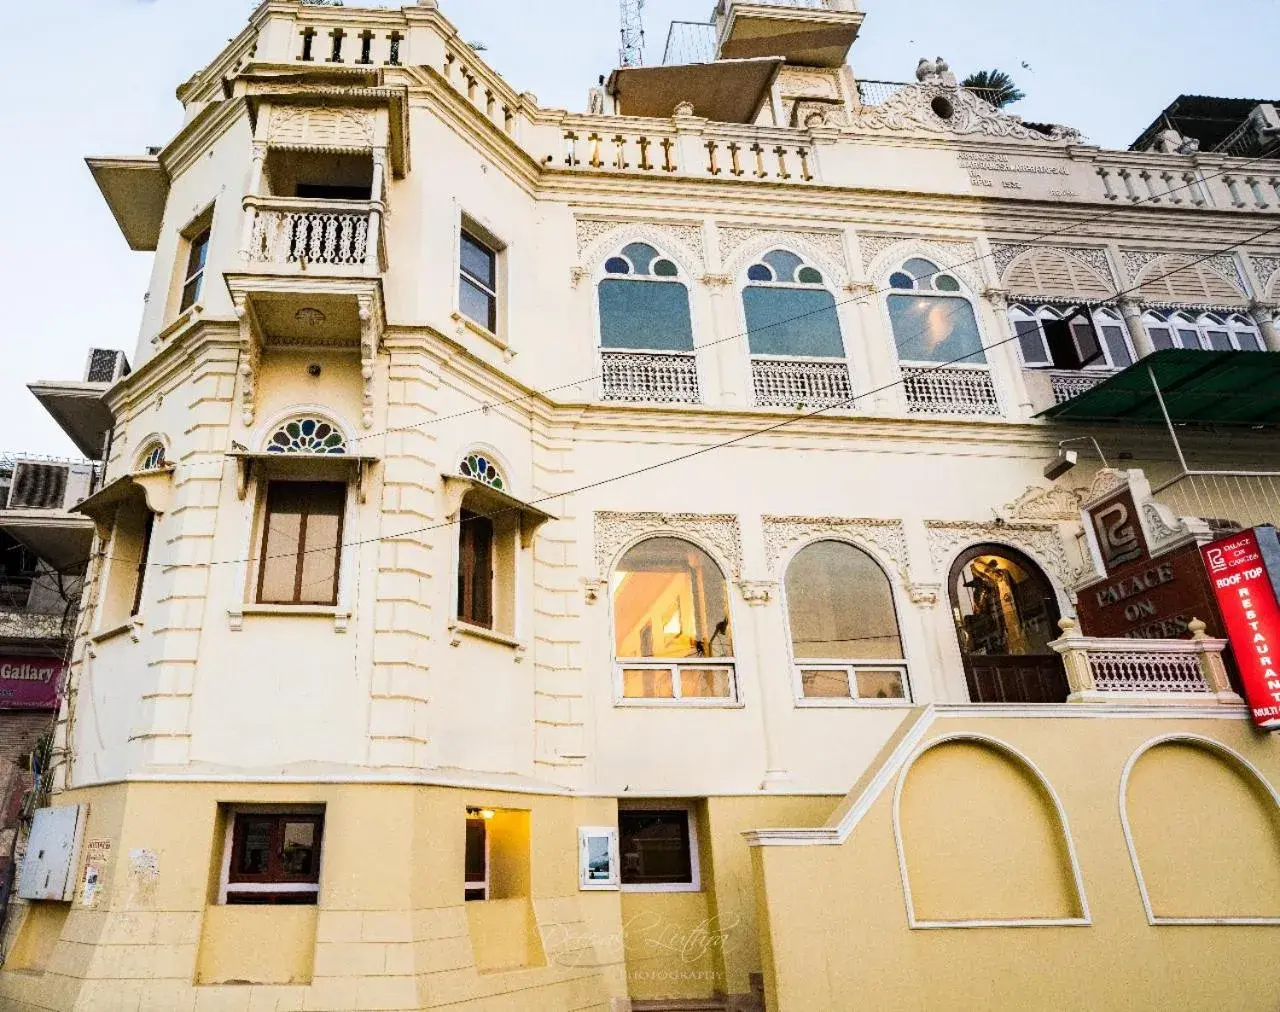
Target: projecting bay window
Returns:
[301, 543]
[1221, 331]
[1071, 339]
[273, 858]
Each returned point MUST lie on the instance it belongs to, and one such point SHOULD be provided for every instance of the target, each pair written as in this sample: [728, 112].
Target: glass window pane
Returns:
[476, 863]
[191, 292]
[199, 254]
[946, 283]
[1117, 347]
[817, 683]
[760, 272]
[1031, 341]
[299, 854]
[478, 261]
[616, 265]
[280, 551]
[647, 683]
[320, 563]
[1161, 337]
[705, 683]
[641, 255]
[783, 263]
[901, 280]
[929, 329]
[840, 605]
[1004, 608]
[793, 321]
[881, 685]
[1219, 340]
[670, 601]
[655, 847]
[1189, 339]
[665, 269]
[809, 276]
[920, 268]
[476, 304]
[1248, 340]
[645, 315]
[255, 853]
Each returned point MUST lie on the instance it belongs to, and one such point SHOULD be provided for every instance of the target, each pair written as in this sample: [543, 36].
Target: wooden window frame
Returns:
[469, 574]
[695, 871]
[274, 886]
[268, 485]
[468, 234]
[197, 247]
[471, 885]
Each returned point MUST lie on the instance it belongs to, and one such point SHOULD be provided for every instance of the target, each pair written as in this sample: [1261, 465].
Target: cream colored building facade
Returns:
[395, 303]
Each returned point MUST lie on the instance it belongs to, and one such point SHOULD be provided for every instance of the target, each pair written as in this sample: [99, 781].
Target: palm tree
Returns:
[995, 86]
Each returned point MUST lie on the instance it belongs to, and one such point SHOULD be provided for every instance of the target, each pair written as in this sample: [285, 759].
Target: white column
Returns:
[1002, 334]
[1137, 329]
[1264, 315]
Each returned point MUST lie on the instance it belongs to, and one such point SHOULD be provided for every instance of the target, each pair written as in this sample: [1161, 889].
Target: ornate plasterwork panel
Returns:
[1224, 264]
[1003, 254]
[887, 537]
[718, 531]
[1266, 268]
[1061, 504]
[741, 247]
[597, 238]
[1040, 541]
[1135, 260]
[321, 129]
[882, 255]
[911, 110]
[794, 82]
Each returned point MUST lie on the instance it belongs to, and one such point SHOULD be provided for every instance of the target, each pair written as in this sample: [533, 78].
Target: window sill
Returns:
[685, 704]
[457, 630]
[849, 703]
[466, 323]
[341, 616]
[133, 627]
[678, 887]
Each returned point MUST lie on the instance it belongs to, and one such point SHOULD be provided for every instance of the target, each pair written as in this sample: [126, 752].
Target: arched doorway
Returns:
[1006, 615]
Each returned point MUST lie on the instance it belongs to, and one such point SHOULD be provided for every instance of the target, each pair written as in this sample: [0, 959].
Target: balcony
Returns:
[649, 377]
[812, 33]
[956, 390]
[795, 383]
[1146, 671]
[329, 237]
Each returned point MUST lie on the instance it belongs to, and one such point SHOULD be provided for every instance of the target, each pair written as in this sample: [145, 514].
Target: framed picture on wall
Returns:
[598, 864]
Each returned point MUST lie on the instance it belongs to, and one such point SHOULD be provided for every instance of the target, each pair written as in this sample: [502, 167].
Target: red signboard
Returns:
[29, 683]
[1251, 613]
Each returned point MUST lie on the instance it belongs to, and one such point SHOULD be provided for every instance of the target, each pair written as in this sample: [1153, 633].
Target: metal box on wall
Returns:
[48, 870]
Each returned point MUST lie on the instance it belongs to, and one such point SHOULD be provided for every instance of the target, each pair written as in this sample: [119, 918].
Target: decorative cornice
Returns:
[886, 538]
[882, 254]
[1004, 254]
[597, 237]
[739, 246]
[912, 109]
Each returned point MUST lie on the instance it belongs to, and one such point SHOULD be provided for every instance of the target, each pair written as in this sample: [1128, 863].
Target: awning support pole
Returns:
[1168, 421]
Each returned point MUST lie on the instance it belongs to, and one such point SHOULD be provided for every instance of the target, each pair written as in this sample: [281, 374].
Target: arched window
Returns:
[844, 626]
[152, 456]
[1032, 324]
[1158, 329]
[1006, 615]
[644, 304]
[487, 547]
[672, 639]
[1244, 333]
[1211, 331]
[480, 467]
[933, 320]
[789, 309]
[307, 434]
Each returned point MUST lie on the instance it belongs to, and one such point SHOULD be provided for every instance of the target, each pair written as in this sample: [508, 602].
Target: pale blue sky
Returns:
[101, 81]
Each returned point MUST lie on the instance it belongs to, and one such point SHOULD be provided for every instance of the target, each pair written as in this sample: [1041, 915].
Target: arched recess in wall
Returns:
[983, 840]
[1052, 272]
[1203, 829]
[1187, 278]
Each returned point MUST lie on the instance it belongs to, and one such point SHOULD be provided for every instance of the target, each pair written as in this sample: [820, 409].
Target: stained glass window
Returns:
[152, 457]
[788, 311]
[478, 467]
[307, 435]
[644, 306]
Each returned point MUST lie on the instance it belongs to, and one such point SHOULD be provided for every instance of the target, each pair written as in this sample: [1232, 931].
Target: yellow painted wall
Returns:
[1207, 835]
[667, 948]
[504, 935]
[38, 937]
[982, 840]
[838, 936]
[257, 945]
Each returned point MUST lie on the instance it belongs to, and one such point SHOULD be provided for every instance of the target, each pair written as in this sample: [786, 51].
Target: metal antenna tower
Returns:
[632, 52]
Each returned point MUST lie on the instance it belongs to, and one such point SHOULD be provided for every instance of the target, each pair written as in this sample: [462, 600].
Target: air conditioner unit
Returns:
[49, 485]
[105, 365]
[1266, 120]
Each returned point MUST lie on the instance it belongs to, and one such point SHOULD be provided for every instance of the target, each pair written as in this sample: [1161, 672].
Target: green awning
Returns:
[1199, 387]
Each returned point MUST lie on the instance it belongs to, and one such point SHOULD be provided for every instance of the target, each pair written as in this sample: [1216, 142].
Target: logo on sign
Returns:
[1117, 535]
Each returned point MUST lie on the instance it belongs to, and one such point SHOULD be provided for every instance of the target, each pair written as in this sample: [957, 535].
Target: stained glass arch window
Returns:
[308, 434]
[932, 318]
[789, 311]
[479, 466]
[644, 302]
[152, 456]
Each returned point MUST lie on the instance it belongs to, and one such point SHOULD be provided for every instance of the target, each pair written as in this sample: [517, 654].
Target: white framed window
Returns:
[272, 855]
[846, 646]
[673, 644]
[931, 317]
[658, 848]
[599, 863]
[1212, 331]
[1034, 325]
[476, 863]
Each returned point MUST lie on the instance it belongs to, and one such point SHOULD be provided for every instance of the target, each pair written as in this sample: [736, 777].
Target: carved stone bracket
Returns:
[716, 280]
[926, 594]
[718, 532]
[887, 538]
[370, 334]
[1042, 542]
[576, 275]
[757, 592]
[250, 357]
[998, 297]
[593, 590]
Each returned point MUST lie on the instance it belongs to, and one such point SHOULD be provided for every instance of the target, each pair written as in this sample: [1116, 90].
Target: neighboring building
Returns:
[44, 549]
[554, 561]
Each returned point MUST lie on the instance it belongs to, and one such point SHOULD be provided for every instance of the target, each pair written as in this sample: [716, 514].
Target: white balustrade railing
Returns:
[1111, 670]
[649, 377]
[954, 390]
[1151, 178]
[793, 383]
[288, 231]
[1068, 385]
